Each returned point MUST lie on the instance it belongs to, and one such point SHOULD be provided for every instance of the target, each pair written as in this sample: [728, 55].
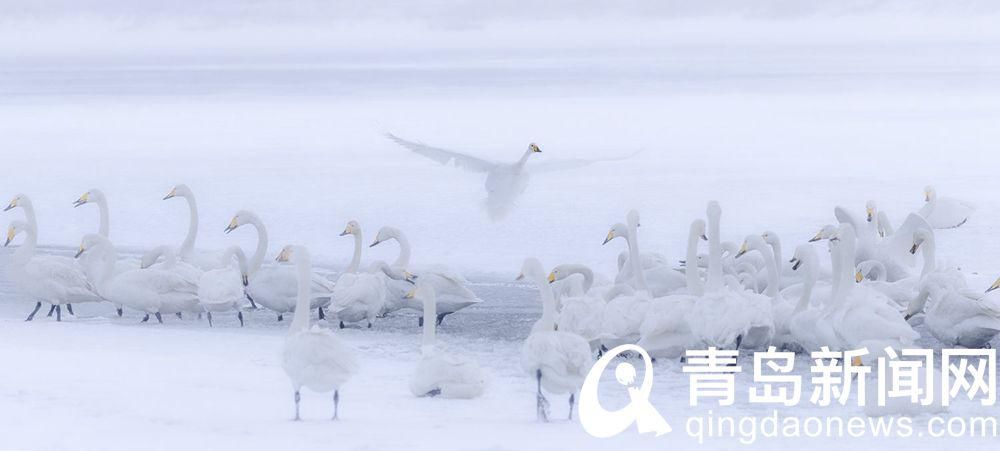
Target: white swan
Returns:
[399, 280]
[768, 313]
[958, 317]
[442, 373]
[276, 286]
[47, 278]
[809, 325]
[92, 261]
[583, 313]
[623, 315]
[665, 332]
[313, 358]
[187, 252]
[152, 290]
[945, 212]
[558, 360]
[786, 277]
[224, 290]
[872, 274]
[357, 296]
[505, 182]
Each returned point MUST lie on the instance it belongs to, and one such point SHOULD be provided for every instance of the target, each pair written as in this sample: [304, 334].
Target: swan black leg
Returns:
[145, 318]
[179, 316]
[341, 324]
[58, 313]
[440, 318]
[420, 322]
[571, 396]
[69, 308]
[336, 403]
[280, 317]
[52, 309]
[240, 316]
[542, 404]
[210, 319]
[31, 315]
[321, 314]
[369, 324]
[253, 304]
[158, 317]
[298, 398]
[120, 312]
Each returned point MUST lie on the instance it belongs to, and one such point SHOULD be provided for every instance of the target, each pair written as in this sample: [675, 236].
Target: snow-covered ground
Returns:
[780, 119]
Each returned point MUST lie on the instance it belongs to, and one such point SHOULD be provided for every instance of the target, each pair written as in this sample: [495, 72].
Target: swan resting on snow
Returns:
[944, 212]
[439, 372]
[505, 182]
[313, 358]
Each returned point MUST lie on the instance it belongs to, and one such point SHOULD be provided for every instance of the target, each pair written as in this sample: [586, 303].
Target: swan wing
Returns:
[445, 156]
[572, 163]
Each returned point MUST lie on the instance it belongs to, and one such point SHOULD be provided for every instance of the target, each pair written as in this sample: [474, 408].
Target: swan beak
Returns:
[927, 196]
[82, 200]
[908, 316]
[552, 277]
[410, 294]
[346, 231]
[743, 250]
[374, 243]
[817, 237]
[704, 237]
[412, 278]
[858, 277]
[913, 250]
[246, 280]
[795, 264]
[611, 236]
[11, 205]
[996, 285]
[232, 225]
[171, 194]
[79, 252]
[283, 256]
[520, 276]
[534, 148]
[871, 214]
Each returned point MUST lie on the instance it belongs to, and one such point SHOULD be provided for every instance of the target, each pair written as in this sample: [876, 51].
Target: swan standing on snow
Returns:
[47, 278]
[313, 358]
[224, 290]
[581, 314]
[440, 373]
[558, 360]
[91, 261]
[357, 296]
[187, 252]
[505, 182]
[944, 212]
[152, 290]
[189, 273]
[276, 286]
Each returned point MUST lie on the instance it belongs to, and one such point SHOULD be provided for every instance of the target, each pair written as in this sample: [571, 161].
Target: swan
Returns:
[786, 277]
[505, 182]
[808, 325]
[313, 358]
[722, 317]
[47, 278]
[872, 274]
[583, 313]
[945, 212]
[151, 290]
[958, 317]
[558, 360]
[442, 373]
[623, 315]
[357, 296]
[452, 295]
[892, 251]
[224, 289]
[170, 262]
[400, 282]
[91, 262]
[665, 332]
[658, 279]
[187, 252]
[276, 286]
[768, 312]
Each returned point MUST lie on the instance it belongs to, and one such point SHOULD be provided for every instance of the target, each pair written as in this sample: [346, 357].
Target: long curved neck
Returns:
[187, 247]
[26, 250]
[633, 257]
[714, 255]
[356, 258]
[403, 261]
[29, 213]
[587, 273]
[836, 280]
[258, 254]
[548, 320]
[303, 266]
[772, 272]
[694, 284]
[776, 250]
[104, 228]
[928, 248]
[430, 315]
[524, 159]
[809, 281]
[881, 274]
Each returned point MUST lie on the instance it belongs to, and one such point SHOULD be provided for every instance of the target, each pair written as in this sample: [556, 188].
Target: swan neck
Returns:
[772, 273]
[403, 261]
[634, 257]
[26, 251]
[300, 321]
[808, 283]
[587, 273]
[929, 251]
[258, 254]
[694, 284]
[524, 158]
[548, 320]
[714, 255]
[356, 258]
[430, 319]
[187, 247]
[104, 228]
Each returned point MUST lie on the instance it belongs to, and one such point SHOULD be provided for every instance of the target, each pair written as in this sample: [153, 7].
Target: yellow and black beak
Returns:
[171, 194]
[82, 200]
[246, 280]
[374, 243]
[10, 237]
[704, 237]
[519, 277]
[913, 249]
[232, 225]
[795, 264]
[871, 214]
[283, 256]
[611, 236]
[79, 251]
[412, 278]
[817, 237]
[996, 285]
[858, 277]
[534, 148]
[743, 250]
[552, 277]
[346, 231]
[410, 294]
[11, 205]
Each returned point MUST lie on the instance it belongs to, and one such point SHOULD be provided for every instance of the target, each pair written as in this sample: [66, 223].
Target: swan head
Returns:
[996, 285]
[292, 253]
[94, 195]
[828, 231]
[352, 228]
[153, 255]
[698, 228]
[919, 237]
[15, 228]
[533, 148]
[181, 190]
[752, 242]
[632, 217]
[90, 241]
[714, 211]
[871, 210]
[561, 272]
[240, 218]
[422, 290]
[618, 230]
[929, 193]
[770, 237]
[804, 254]
[386, 233]
[531, 268]
[17, 201]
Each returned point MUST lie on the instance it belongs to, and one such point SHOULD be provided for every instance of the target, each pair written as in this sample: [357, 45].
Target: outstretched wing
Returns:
[444, 156]
[558, 165]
